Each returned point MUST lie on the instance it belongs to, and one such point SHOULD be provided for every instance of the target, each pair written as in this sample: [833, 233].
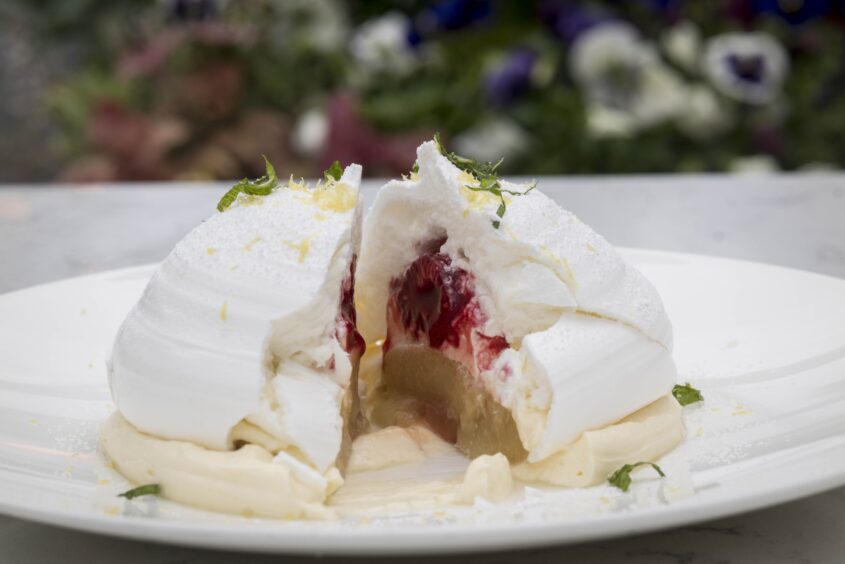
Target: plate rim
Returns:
[452, 538]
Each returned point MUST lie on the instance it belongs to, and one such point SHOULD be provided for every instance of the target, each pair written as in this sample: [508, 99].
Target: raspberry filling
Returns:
[435, 303]
[347, 333]
[438, 361]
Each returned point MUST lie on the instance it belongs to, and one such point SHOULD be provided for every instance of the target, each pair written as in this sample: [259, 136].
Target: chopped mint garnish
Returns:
[487, 175]
[261, 187]
[622, 477]
[335, 171]
[686, 394]
[148, 489]
[416, 167]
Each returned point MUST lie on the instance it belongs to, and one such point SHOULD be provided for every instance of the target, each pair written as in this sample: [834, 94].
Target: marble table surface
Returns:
[52, 232]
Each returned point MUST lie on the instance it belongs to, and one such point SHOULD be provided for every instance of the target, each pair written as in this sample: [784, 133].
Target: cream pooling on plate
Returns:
[589, 338]
[238, 332]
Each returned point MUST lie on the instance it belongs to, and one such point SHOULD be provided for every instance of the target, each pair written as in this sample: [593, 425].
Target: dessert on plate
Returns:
[475, 307]
[245, 337]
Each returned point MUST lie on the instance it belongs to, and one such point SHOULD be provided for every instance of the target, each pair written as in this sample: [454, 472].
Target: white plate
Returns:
[766, 345]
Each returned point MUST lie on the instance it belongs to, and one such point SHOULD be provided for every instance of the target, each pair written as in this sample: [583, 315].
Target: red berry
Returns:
[346, 332]
[435, 303]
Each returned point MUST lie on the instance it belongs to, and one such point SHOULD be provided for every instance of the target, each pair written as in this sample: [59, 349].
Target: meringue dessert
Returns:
[507, 325]
[245, 337]
[280, 339]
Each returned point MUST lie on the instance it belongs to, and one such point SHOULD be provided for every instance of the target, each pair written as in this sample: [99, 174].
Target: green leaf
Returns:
[686, 394]
[229, 197]
[622, 477]
[148, 489]
[335, 171]
[260, 187]
[488, 178]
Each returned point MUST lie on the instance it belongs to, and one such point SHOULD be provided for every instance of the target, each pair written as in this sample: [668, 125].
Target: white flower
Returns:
[749, 67]
[628, 86]
[309, 133]
[605, 122]
[703, 114]
[754, 164]
[491, 140]
[682, 43]
[381, 44]
[602, 47]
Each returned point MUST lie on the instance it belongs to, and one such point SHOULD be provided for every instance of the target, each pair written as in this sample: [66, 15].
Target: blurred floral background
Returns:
[96, 90]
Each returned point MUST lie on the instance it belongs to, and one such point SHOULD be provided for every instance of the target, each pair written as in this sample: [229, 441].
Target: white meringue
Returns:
[240, 323]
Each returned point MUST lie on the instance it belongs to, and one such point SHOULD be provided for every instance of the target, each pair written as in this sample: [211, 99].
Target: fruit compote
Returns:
[434, 353]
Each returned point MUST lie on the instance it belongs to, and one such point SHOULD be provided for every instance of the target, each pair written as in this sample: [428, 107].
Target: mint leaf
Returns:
[487, 175]
[260, 187]
[148, 489]
[686, 394]
[622, 477]
[335, 171]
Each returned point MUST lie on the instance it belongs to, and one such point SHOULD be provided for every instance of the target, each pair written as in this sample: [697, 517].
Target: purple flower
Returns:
[415, 36]
[748, 68]
[666, 9]
[567, 19]
[662, 5]
[456, 14]
[511, 78]
[446, 15]
[795, 12]
[193, 10]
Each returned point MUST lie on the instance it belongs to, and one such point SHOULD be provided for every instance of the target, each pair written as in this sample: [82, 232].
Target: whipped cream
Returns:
[250, 481]
[391, 446]
[646, 434]
[589, 338]
[488, 477]
[398, 469]
[238, 328]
